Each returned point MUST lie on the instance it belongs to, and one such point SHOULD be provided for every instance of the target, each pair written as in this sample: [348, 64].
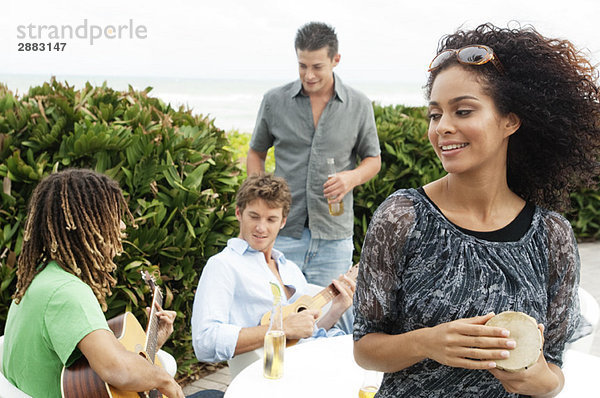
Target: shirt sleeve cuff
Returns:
[227, 337]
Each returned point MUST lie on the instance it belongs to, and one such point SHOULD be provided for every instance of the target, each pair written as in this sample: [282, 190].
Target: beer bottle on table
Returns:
[274, 339]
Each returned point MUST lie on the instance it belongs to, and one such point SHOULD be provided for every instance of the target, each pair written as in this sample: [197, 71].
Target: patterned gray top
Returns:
[418, 270]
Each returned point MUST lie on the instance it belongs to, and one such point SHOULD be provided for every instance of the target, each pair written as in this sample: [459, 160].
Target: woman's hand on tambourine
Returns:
[538, 380]
[468, 343]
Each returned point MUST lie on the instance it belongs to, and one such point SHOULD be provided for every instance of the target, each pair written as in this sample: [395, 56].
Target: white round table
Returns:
[582, 375]
[320, 368]
[326, 368]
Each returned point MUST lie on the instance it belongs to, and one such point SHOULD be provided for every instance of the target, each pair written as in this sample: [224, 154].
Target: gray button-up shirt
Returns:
[345, 130]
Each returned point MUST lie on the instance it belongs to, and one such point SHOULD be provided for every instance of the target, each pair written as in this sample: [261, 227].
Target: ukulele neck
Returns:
[329, 293]
[325, 296]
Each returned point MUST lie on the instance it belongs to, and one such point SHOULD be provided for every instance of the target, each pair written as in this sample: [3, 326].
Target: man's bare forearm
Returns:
[255, 162]
[367, 169]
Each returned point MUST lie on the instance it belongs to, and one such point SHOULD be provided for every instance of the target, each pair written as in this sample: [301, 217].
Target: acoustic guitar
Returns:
[79, 380]
[307, 302]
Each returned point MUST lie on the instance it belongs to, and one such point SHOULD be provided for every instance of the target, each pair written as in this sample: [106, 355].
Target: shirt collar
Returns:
[338, 88]
[240, 246]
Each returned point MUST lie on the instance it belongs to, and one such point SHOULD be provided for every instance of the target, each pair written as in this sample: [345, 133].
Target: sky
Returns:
[380, 40]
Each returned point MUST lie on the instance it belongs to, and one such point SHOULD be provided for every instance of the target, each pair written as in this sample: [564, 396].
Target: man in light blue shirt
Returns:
[234, 291]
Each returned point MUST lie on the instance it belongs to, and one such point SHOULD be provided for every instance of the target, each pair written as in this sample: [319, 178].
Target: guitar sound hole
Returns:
[300, 309]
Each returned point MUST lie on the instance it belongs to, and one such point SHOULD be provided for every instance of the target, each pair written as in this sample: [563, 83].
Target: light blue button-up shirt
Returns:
[234, 293]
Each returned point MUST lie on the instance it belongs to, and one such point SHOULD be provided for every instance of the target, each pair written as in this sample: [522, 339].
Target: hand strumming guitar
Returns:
[300, 325]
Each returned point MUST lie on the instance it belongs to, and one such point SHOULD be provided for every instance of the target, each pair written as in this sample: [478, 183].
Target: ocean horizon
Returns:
[232, 103]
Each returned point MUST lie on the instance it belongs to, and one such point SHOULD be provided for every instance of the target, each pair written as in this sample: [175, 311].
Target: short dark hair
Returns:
[273, 190]
[553, 89]
[314, 36]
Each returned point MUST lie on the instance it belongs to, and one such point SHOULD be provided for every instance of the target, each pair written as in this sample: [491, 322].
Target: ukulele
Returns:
[307, 302]
[80, 380]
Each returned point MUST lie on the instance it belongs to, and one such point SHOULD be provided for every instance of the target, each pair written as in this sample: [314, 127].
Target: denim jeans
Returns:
[207, 394]
[321, 261]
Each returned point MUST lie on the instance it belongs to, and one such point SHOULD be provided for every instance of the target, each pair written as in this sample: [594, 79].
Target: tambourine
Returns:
[524, 330]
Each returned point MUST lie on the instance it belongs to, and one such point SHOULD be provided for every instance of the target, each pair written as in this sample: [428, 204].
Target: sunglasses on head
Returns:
[476, 54]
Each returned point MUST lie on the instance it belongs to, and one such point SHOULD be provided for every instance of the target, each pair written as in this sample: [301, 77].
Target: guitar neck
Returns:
[150, 346]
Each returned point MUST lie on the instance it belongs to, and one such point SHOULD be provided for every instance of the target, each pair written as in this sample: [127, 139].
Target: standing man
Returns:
[309, 120]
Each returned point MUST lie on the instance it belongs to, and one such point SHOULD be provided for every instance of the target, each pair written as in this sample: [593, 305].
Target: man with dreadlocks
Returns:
[72, 233]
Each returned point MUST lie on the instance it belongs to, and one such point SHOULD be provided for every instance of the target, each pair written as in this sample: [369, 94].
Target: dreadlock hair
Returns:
[74, 219]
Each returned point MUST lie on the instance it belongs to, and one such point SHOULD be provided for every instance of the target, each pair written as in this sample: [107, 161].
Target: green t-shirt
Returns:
[43, 330]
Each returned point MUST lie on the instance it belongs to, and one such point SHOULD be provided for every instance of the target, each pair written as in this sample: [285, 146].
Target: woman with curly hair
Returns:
[515, 121]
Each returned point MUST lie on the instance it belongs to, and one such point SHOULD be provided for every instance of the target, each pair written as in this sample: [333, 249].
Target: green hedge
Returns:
[176, 172]
[239, 144]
